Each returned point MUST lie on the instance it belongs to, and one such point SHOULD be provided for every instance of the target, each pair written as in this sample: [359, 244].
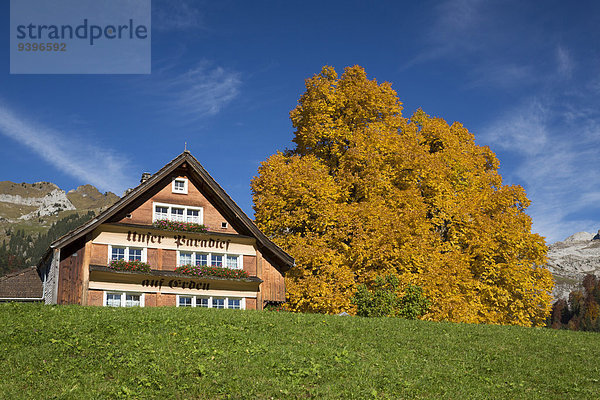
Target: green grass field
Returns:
[71, 352]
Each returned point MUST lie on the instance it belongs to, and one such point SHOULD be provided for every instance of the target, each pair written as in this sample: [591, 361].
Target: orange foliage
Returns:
[367, 193]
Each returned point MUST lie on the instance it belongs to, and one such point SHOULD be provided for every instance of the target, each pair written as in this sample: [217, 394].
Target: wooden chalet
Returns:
[75, 270]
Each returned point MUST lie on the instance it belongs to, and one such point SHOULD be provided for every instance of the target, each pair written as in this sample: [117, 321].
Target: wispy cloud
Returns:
[176, 15]
[198, 92]
[548, 140]
[564, 62]
[68, 152]
[556, 156]
[473, 34]
[449, 32]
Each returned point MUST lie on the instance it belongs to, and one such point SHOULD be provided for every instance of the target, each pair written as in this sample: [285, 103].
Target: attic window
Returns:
[180, 186]
[224, 225]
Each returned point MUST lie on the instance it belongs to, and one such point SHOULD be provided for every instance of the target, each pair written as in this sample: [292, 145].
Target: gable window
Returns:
[161, 212]
[126, 253]
[192, 215]
[177, 214]
[233, 261]
[180, 185]
[236, 303]
[123, 299]
[173, 212]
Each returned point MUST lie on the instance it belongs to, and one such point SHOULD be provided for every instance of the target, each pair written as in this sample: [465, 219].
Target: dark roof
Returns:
[211, 189]
[22, 284]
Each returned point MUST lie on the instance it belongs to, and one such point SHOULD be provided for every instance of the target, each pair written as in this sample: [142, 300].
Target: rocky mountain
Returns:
[34, 207]
[572, 259]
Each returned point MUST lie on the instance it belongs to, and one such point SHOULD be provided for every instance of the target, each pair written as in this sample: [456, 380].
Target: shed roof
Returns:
[23, 284]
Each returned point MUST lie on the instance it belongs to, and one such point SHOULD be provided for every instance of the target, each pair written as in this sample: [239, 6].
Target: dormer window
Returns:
[180, 185]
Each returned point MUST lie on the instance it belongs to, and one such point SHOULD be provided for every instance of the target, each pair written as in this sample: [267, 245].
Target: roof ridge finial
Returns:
[185, 147]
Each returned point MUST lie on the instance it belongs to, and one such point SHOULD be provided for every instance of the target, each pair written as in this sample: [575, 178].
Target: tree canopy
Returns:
[367, 193]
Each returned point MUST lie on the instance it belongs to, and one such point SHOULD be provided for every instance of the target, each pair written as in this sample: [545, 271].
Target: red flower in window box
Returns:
[133, 266]
[205, 270]
[179, 226]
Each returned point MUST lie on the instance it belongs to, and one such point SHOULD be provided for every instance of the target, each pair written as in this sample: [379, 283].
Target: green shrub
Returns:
[383, 300]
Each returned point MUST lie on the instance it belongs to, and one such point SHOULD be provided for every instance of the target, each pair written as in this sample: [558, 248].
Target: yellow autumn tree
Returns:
[367, 192]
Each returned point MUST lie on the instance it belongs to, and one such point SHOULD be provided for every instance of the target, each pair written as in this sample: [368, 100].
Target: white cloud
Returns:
[176, 15]
[201, 91]
[68, 152]
[523, 130]
[557, 156]
[494, 44]
[501, 74]
[564, 62]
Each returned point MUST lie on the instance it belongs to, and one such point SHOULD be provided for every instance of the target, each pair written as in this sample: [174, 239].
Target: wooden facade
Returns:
[76, 266]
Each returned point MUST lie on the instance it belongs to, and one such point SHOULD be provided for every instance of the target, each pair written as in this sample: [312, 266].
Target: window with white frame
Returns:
[180, 185]
[126, 253]
[237, 303]
[161, 212]
[123, 299]
[233, 261]
[174, 212]
[177, 214]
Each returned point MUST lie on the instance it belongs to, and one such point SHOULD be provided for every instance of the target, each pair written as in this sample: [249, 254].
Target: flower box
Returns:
[205, 270]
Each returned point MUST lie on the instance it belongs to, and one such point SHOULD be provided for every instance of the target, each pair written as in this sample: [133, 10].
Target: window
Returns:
[224, 225]
[236, 303]
[161, 212]
[177, 214]
[173, 212]
[218, 303]
[132, 300]
[127, 253]
[193, 216]
[116, 299]
[202, 302]
[233, 261]
[217, 260]
[185, 258]
[118, 253]
[180, 185]
[135, 254]
[185, 301]
[201, 259]
[113, 300]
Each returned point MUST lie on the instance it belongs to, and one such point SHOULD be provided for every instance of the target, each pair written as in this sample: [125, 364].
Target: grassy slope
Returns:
[75, 352]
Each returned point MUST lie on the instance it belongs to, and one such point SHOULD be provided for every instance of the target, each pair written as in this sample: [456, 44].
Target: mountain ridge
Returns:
[33, 214]
[571, 260]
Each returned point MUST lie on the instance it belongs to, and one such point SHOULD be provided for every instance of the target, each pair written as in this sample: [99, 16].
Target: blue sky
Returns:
[524, 77]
